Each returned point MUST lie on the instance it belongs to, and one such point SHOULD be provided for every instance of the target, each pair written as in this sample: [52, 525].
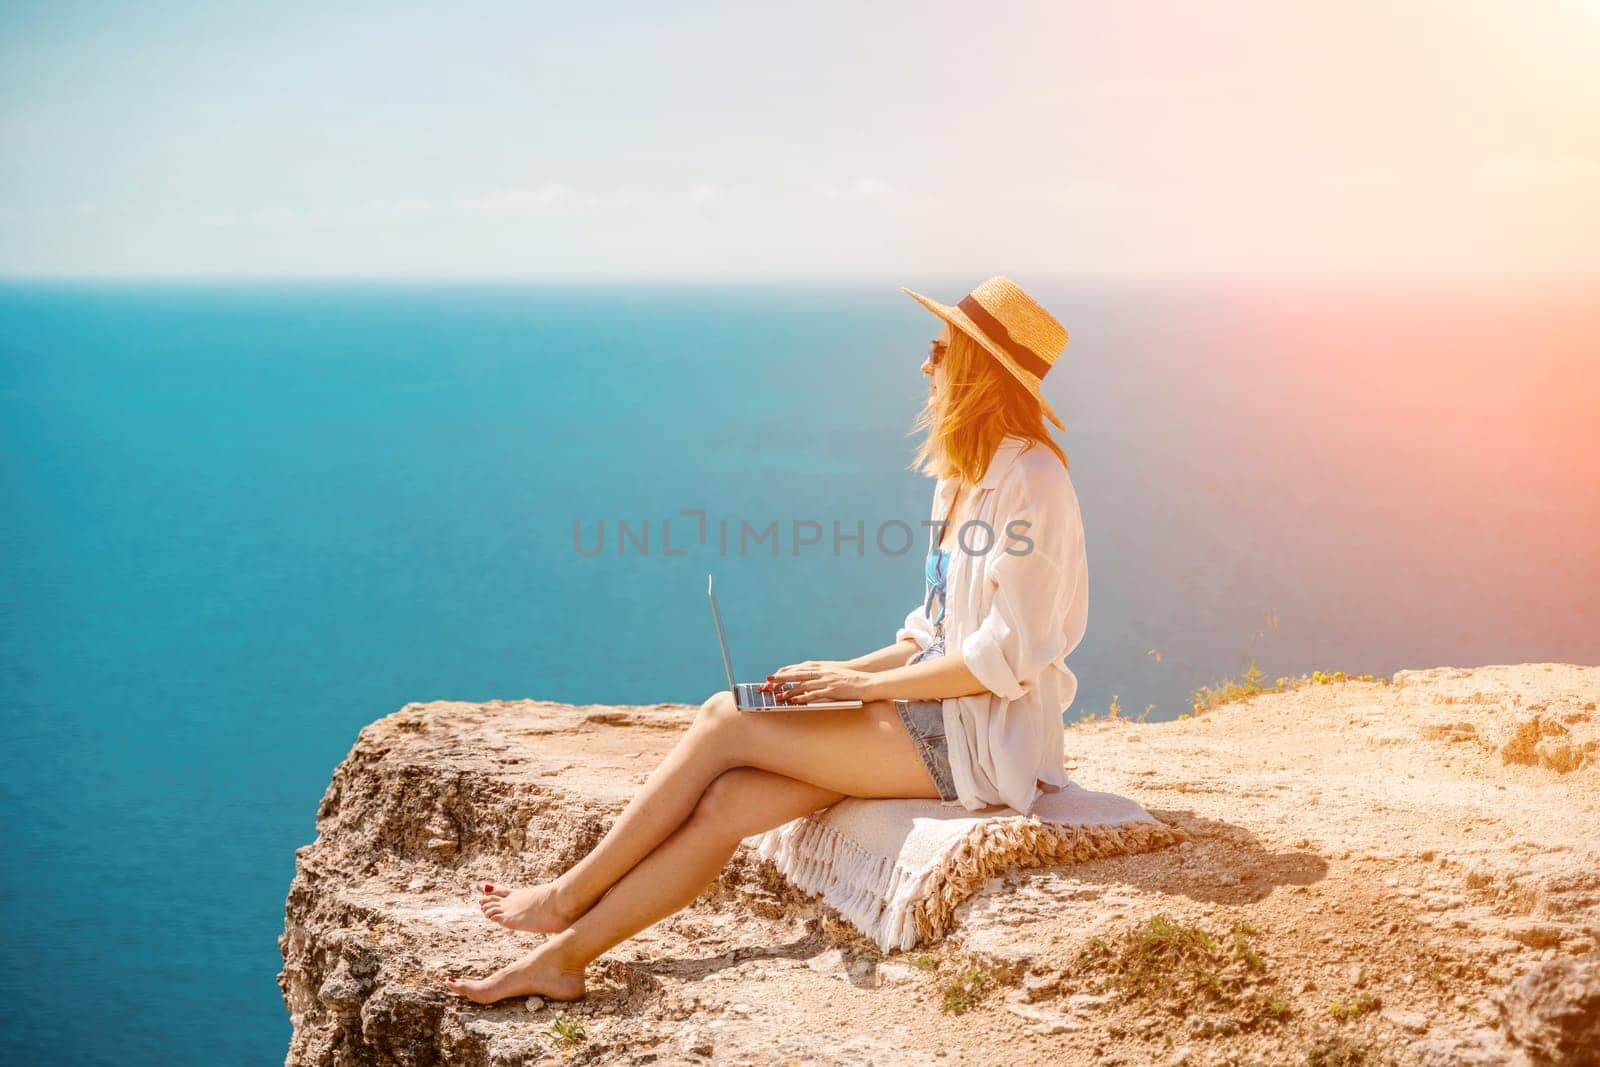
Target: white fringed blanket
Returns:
[896, 869]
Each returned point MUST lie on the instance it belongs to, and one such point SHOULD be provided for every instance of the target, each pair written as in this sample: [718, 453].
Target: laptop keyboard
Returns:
[751, 696]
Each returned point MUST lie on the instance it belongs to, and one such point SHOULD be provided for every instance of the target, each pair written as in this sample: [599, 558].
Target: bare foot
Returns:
[539, 972]
[537, 909]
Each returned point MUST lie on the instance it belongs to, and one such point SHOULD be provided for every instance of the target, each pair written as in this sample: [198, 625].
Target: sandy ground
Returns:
[1374, 863]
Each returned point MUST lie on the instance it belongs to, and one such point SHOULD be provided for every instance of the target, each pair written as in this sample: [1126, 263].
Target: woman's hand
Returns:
[818, 680]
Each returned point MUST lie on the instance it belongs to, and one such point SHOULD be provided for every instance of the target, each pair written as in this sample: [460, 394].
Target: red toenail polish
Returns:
[488, 889]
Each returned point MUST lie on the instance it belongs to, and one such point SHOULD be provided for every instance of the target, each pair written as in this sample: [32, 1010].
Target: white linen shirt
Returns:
[1015, 616]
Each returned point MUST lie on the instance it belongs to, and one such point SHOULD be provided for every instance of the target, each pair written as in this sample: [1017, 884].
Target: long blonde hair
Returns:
[977, 404]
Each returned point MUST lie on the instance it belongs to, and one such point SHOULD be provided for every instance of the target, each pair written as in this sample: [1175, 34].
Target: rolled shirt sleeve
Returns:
[1023, 630]
[917, 627]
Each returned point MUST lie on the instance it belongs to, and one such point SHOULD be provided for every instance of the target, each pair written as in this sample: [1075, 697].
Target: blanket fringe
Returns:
[898, 908]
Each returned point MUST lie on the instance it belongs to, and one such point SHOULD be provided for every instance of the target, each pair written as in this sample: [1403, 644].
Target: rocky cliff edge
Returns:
[1399, 871]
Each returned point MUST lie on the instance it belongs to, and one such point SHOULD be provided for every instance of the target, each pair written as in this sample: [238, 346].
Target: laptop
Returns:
[747, 696]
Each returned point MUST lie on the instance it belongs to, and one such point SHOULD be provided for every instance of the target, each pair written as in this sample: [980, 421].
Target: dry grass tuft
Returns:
[1173, 967]
[1228, 691]
[965, 990]
[1336, 1050]
[1208, 698]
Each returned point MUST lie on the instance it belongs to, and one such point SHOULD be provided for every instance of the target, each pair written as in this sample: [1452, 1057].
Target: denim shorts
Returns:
[924, 721]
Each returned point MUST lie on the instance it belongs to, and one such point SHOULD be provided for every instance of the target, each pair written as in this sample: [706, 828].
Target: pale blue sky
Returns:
[820, 140]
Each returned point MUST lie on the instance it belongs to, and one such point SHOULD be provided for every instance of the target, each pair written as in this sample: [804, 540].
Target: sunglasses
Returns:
[936, 351]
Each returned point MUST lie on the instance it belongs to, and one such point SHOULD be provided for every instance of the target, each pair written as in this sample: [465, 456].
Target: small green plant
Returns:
[1253, 675]
[1166, 965]
[965, 990]
[567, 1029]
[1241, 931]
[923, 962]
[1145, 960]
[1206, 697]
[1349, 1009]
[1227, 691]
[1161, 931]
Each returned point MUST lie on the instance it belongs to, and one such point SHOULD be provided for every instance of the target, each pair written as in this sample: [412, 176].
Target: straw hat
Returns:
[1011, 326]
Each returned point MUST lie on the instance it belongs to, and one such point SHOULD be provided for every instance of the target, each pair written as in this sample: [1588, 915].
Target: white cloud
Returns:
[1097, 94]
[272, 216]
[520, 201]
[516, 202]
[877, 194]
[558, 195]
[860, 189]
[1067, 193]
[258, 217]
[703, 193]
[617, 200]
[397, 208]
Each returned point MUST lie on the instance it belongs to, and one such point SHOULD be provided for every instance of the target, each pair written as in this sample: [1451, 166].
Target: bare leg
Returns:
[660, 806]
[862, 752]
[737, 804]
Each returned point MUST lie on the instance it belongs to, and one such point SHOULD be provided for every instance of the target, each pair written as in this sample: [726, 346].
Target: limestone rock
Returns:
[1553, 1012]
[1413, 1022]
[1347, 840]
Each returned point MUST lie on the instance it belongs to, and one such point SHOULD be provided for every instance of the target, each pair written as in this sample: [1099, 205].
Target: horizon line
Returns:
[801, 279]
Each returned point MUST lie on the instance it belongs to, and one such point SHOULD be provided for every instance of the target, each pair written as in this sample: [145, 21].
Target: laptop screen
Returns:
[716, 617]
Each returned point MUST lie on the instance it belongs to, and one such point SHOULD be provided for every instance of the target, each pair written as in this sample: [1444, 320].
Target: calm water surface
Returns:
[240, 522]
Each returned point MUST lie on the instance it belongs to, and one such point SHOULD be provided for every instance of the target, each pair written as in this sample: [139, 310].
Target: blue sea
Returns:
[240, 521]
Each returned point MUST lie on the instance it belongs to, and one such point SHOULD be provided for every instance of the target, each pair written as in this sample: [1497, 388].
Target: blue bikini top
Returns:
[937, 569]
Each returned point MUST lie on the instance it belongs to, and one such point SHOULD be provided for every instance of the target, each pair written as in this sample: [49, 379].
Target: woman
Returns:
[965, 705]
